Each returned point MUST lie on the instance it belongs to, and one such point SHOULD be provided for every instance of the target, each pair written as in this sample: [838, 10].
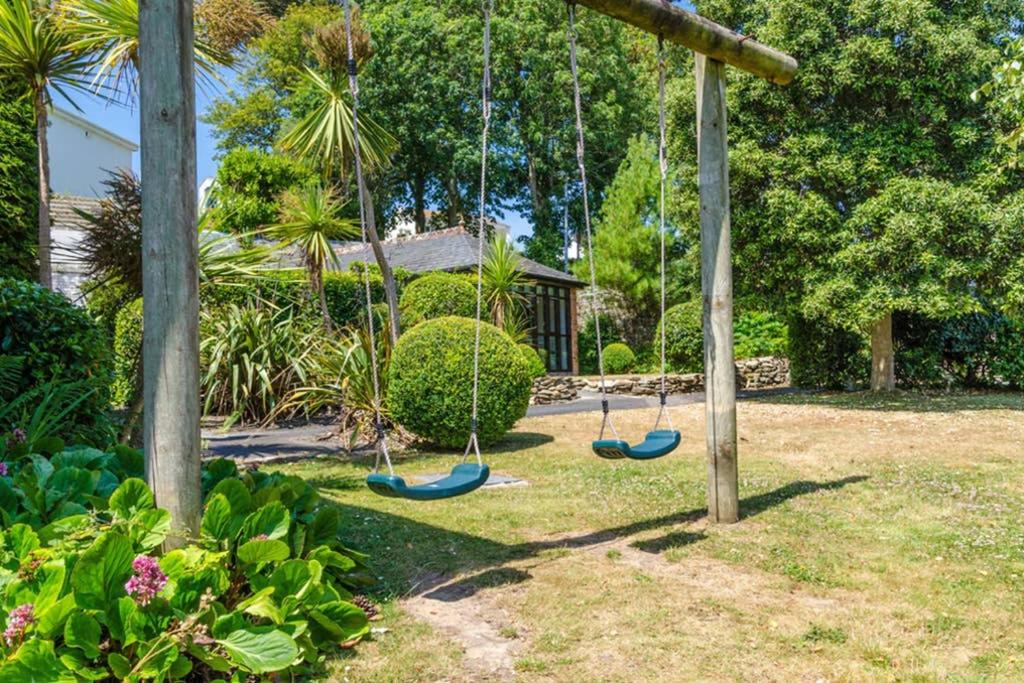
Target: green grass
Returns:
[875, 544]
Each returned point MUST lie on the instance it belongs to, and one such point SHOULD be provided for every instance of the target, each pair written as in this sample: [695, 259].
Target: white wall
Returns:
[81, 153]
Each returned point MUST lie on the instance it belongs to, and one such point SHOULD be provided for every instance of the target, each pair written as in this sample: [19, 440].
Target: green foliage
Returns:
[502, 277]
[58, 342]
[264, 589]
[249, 188]
[436, 295]
[127, 353]
[759, 334]
[19, 185]
[822, 355]
[431, 382]
[627, 244]
[533, 360]
[684, 337]
[586, 342]
[111, 242]
[1006, 355]
[1006, 93]
[618, 358]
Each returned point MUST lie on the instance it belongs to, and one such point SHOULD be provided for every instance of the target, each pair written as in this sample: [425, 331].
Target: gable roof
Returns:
[453, 249]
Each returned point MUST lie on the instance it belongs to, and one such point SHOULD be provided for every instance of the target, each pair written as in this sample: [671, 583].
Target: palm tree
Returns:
[503, 275]
[310, 219]
[36, 52]
[109, 30]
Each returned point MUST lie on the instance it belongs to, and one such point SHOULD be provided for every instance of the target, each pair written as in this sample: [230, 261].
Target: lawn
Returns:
[880, 540]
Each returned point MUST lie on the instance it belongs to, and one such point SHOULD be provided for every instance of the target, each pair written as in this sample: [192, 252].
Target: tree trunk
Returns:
[44, 252]
[390, 289]
[316, 281]
[883, 371]
[170, 247]
[135, 409]
[419, 192]
[454, 202]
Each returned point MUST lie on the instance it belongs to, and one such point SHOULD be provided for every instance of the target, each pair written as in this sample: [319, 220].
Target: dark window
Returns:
[548, 312]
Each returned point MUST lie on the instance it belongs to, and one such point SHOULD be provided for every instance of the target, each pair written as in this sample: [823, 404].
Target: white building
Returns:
[81, 156]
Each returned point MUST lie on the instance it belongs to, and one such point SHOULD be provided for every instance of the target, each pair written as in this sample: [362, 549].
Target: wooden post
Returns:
[170, 247]
[716, 285]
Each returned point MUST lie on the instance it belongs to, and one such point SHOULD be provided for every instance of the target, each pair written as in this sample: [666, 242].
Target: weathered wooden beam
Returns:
[170, 249]
[716, 286]
[701, 35]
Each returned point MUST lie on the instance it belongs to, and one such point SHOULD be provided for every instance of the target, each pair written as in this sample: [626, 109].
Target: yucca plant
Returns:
[109, 30]
[324, 138]
[503, 276]
[310, 219]
[37, 54]
[253, 357]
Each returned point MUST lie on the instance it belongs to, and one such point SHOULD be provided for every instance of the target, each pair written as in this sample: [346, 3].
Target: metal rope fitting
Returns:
[664, 397]
[604, 405]
[353, 68]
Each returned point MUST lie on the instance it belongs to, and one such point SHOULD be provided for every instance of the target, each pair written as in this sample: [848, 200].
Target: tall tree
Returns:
[38, 55]
[883, 92]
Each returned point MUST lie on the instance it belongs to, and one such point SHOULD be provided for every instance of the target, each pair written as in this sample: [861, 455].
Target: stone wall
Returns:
[751, 373]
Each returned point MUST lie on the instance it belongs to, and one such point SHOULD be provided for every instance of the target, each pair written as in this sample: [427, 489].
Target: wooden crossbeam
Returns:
[693, 31]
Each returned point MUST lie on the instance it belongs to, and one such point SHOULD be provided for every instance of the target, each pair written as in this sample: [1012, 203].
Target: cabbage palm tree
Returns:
[109, 30]
[310, 219]
[503, 275]
[37, 53]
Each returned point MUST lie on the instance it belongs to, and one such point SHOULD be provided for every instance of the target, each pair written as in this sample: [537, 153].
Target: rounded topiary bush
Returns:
[684, 337]
[533, 360]
[56, 341]
[437, 295]
[618, 358]
[430, 382]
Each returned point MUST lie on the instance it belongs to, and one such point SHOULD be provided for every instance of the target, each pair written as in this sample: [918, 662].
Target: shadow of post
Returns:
[427, 550]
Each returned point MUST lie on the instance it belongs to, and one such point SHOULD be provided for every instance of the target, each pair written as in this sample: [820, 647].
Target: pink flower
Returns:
[3, 469]
[260, 537]
[18, 621]
[148, 580]
[18, 436]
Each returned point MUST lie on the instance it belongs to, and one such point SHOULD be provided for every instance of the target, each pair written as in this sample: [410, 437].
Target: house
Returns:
[81, 156]
[551, 296]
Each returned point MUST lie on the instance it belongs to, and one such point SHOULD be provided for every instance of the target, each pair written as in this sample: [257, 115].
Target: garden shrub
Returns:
[586, 343]
[533, 360]
[1006, 359]
[250, 183]
[57, 342]
[266, 588]
[757, 334]
[127, 353]
[431, 382]
[436, 295]
[19, 184]
[684, 337]
[104, 301]
[618, 358]
[824, 356]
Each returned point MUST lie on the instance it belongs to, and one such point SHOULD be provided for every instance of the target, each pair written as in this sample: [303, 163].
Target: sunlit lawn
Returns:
[881, 540]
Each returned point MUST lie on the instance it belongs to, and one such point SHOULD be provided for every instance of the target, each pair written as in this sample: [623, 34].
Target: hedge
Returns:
[618, 358]
[19, 185]
[823, 356]
[57, 342]
[684, 337]
[436, 295]
[587, 342]
[127, 351]
[430, 382]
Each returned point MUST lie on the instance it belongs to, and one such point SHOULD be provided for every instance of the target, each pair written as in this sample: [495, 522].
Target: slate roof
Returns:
[453, 249]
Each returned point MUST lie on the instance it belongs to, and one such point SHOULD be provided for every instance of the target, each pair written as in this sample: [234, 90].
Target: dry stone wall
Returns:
[751, 373]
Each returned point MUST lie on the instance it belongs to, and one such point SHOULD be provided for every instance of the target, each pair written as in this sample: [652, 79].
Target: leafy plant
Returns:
[43, 414]
[684, 337]
[533, 359]
[503, 276]
[759, 334]
[587, 342]
[264, 589]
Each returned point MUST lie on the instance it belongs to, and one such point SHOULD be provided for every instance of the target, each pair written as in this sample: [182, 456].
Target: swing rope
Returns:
[381, 443]
[606, 420]
[663, 168]
[474, 443]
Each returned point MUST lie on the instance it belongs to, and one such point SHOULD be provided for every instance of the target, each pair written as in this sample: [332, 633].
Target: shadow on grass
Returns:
[406, 550]
[512, 442]
[908, 401]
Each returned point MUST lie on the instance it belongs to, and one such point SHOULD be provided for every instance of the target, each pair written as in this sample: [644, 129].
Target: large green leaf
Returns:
[21, 540]
[271, 520]
[261, 550]
[83, 632]
[218, 519]
[260, 649]
[34, 662]
[149, 528]
[339, 621]
[68, 484]
[236, 493]
[324, 528]
[51, 621]
[130, 497]
[99, 576]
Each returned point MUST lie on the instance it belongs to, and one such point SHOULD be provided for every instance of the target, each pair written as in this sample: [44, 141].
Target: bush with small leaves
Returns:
[618, 358]
[437, 295]
[684, 337]
[533, 359]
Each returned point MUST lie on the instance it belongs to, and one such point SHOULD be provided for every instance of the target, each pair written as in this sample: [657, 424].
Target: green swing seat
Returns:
[463, 479]
[656, 444]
